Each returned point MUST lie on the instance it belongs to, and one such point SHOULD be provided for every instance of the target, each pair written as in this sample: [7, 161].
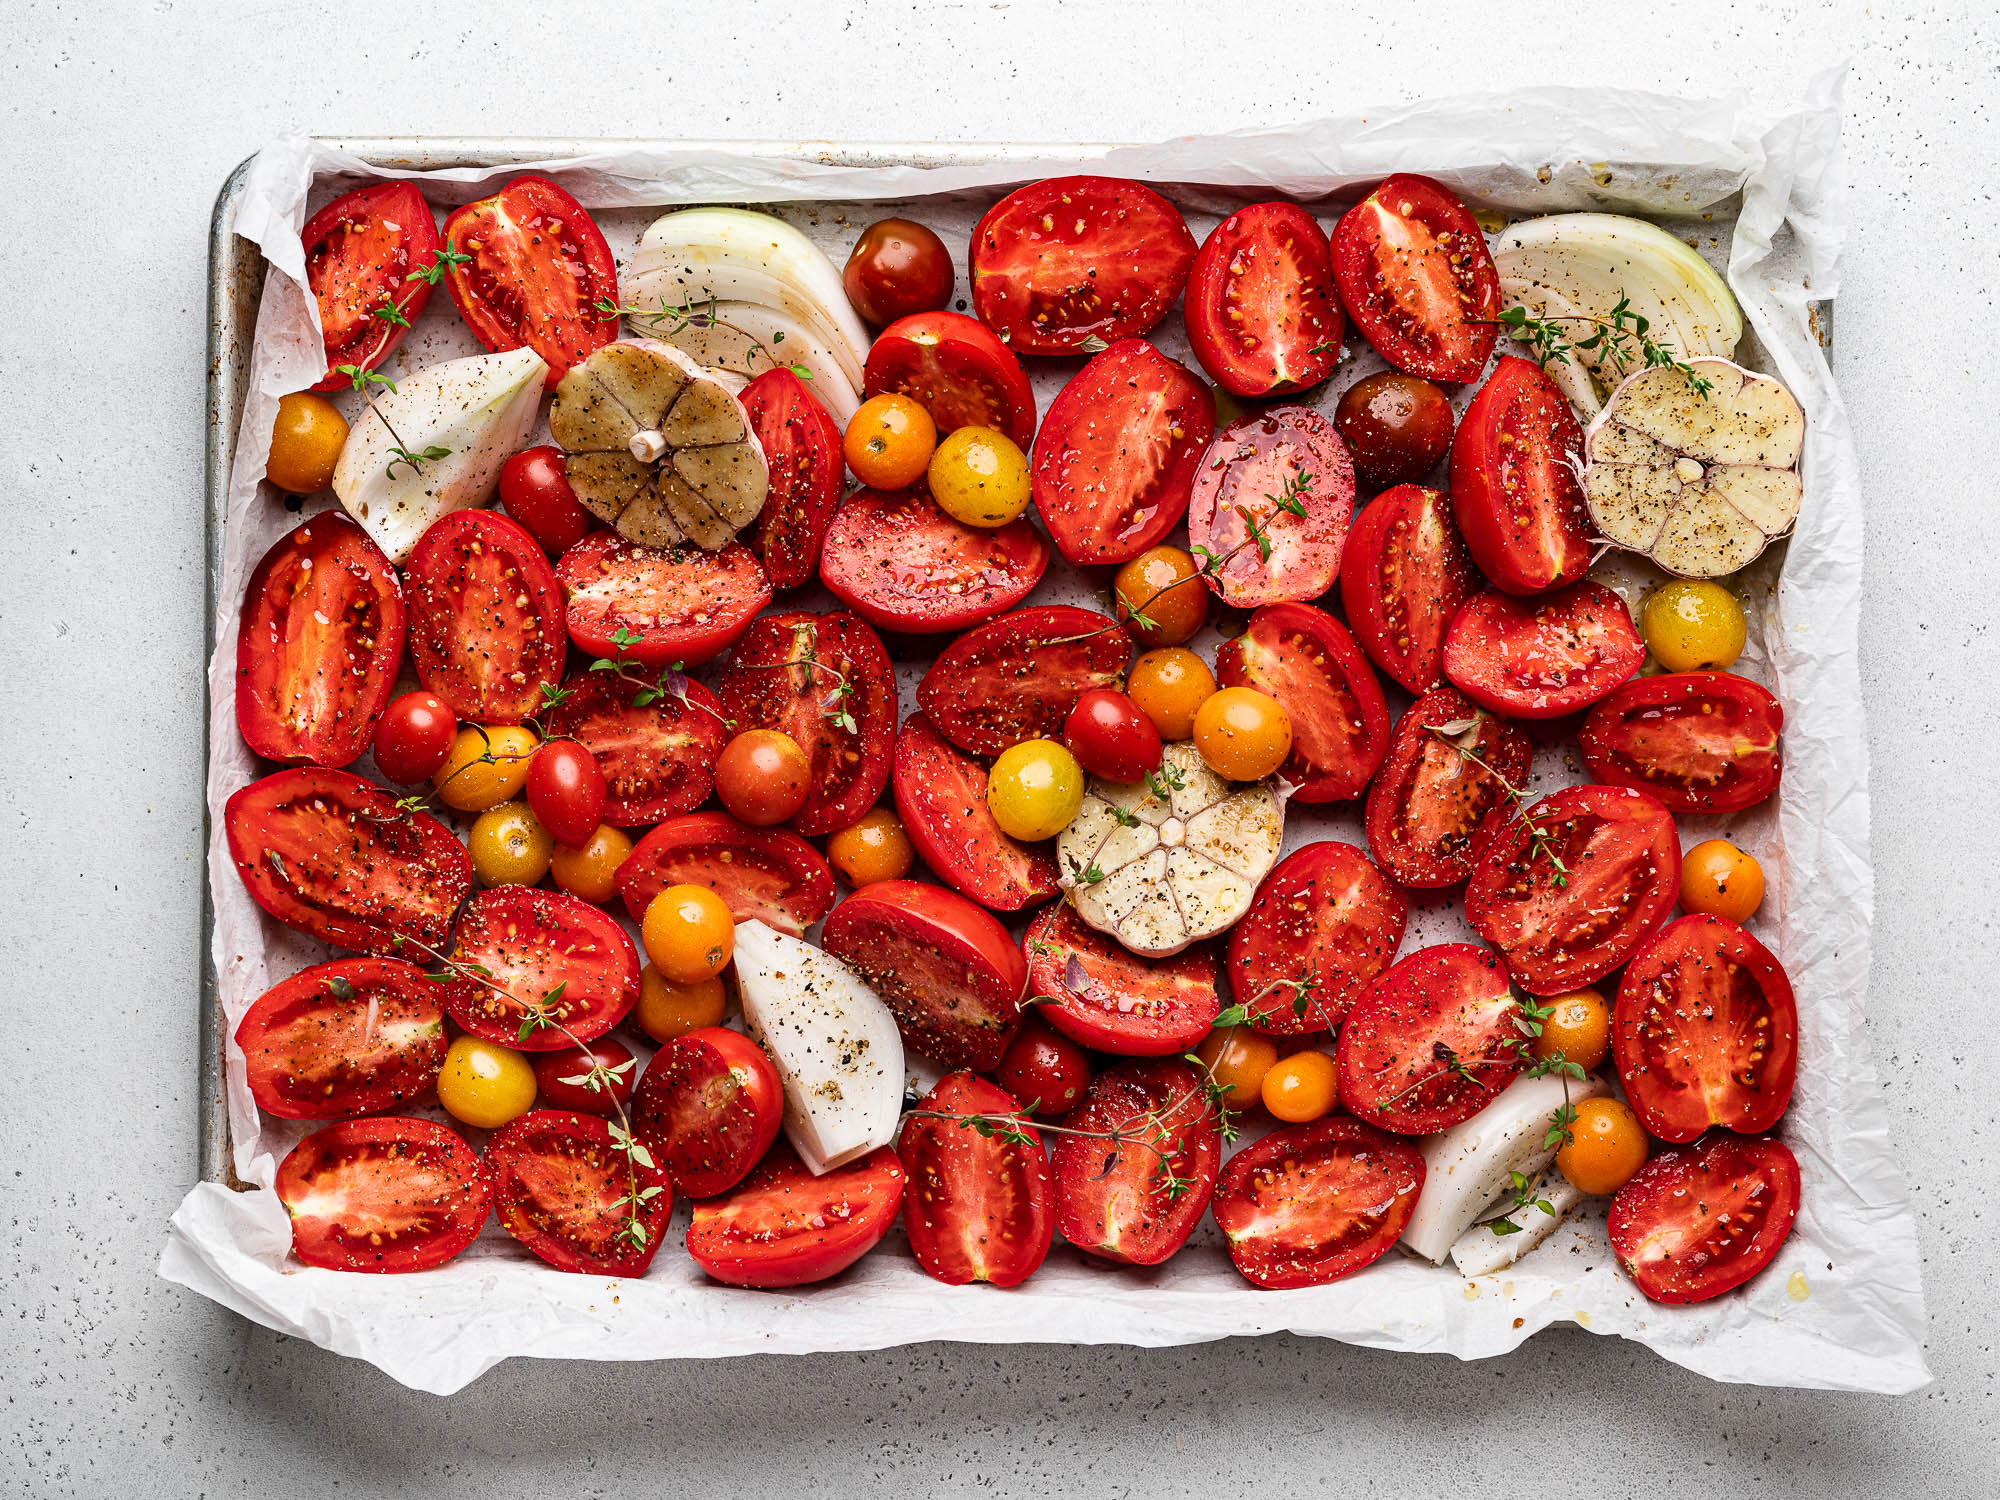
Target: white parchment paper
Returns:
[1758, 190]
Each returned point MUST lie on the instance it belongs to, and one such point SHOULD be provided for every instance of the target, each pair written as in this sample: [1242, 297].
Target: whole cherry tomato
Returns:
[763, 777]
[305, 443]
[1398, 427]
[554, 1069]
[566, 791]
[1111, 737]
[889, 441]
[534, 490]
[1043, 1068]
[898, 267]
[414, 736]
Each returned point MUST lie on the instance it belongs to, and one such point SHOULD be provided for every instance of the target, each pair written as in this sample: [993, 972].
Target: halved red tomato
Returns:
[343, 1039]
[565, 1189]
[980, 1207]
[1431, 1041]
[1545, 657]
[1324, 923]
[363, 251]
[384, 1195]
[1415, 275]
[546, 958]
[946, 968]
[1138, 1197]
[1115, 461]
[1305, 659]
[1701, 1220]
[763, 875]
[1261, 311]
[1018, 677]
[825, 681]
[1309, 1204]
[684, 605]
[1061, 261]
[782, 1226]
[1442, 792]
[1093, 991]
[1271, 505]
[902, 564]
[657, 749]
[955, 369]
[1705, 1031]
[708, 1107]
[334, 856]
[941, 798]
[1404, 572]
[1704, 742]
[319, 644]
[1571, 887]
[1518, 501]
[537, 271]
[486, 616]
[802, 449]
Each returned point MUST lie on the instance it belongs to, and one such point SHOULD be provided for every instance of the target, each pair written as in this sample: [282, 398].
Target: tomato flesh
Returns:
[1415, 275]
[486, 616]
[1518, 501]
[1271, 505]
[684, 605]
[563, 1189]
[1127, 1200]
[902, 564]
[1545, 657]
[1018, 677]
[1404, 573]
[343, 1039]
[1323, 924]
[1304, 658]
[1309, 1204]
[941, 798]
[1106, 998]
[1261, 312]
[1701, 1220]
[545, 954]
[708, 1107]
[782, 1226]
[657, 756]
[954, 368]
[1440, 794]
[1702, 742]
[762, 874]
[384, 1195]
[802, 450]
[362, 253]
[980, 1208]
[1431, 1041]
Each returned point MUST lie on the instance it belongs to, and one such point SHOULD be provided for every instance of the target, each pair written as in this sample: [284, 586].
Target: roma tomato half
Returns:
[954, 368]
[1099, 994]
[1702, 742]
[344, 1038]
[708, 1107]
[1431, 1041]
[1261, 311]
[1415, 275]
[1701, 1220]
[384, 1195]
[1518, 501]
[547, 957]
[1017, 678]
[486, 616]
[683, 605]
[1304, 658]
[1323, 924]
[782, 1226]
[363, 251]
[980, 1207]
[941, 797]
[902, 564]
[1546, 657]
[563, 1188]
[1309, 1204]
[802, 450]
[1124, 1200]
[1442, 791]
[1404, 573]
[656, 749]
[1271, 506]
[763, 875]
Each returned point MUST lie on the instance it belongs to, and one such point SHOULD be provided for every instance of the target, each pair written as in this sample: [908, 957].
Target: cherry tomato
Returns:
[1160, 598]
[509, 846]
[1302, 1087]
[1398, 427]
[896, 268]
[364, 251]
[416, 733]
[1720, 880]
[486, 767]
[1111, 736]
[535, 491]
[567, 791]
[889, 441]
[875, 848]
[1693, 625]
[1578, 1026]
[668, 1009]
[1044, 1069]
[763, 777]
[1238, 1058]
[1170, 686]
[1243, 734]
[979, 475]
[589, 871]
[1606, 1146]
[305, 443]
[554, 1070]
[688, 933]
[1034, 789]
[485, 1084]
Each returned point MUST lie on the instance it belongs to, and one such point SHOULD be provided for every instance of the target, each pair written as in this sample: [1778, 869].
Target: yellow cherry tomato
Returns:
[1606, 1146]
[1578, 1026]
[1693, 625]
[1720, 880]
[1302, 1087]
[980, 477]
[1237, 1058]
[1160, 597]
[1170, 687]
[688, 933]
[305, 443]
[1243, 734]
[668, 1009]
[876, 848]
[509, 846]
[486, 767]
[485, 1085]
[888, 442]
[1034, 789]
[590, 873]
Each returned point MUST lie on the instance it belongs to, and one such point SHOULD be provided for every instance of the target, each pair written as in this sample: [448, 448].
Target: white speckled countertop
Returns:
[120, 121]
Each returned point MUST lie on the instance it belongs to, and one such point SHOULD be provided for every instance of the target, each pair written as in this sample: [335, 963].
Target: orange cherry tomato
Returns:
[1171, 685]
[1160, 597]
[305, 443]
[763, 777]
[1237, 1058]
[1302, 1087]
[1578, 1026]
[1243, 734]
[889, 441]
[667, 1009]
[590, 872]
[1720, 880]
[1606, 1146]
[876, 848]
[688, 933]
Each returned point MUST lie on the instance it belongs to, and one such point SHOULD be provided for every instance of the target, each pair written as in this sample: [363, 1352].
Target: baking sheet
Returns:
[1841, 1307]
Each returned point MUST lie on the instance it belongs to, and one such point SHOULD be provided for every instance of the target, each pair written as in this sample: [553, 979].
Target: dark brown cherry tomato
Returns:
[1111, 737]
[1397, 426]
[896, 268]
[566, 793]
[554, 1070]
[1044, 1069]
[534, 490]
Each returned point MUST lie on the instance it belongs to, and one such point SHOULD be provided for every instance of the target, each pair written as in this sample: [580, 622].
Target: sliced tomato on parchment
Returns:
[1305, 658]
[782, 1226]
[1271, 505]
[1095, 992]
[1701, 1220]
[1138, 1197]
[656, 746]
[980, 1207]
[1544, 657]
[1017, 677]
[802, 450]
[674, 606]
[1404, 573]
[1261, 309]
[1309, 1204]
[344, 1038]
[1415, 275]
[486, 616]
[902, 564]
[1323, 924]
[541, 956]
[1514, 491]
[1702, 742]
[766, 875]
[564, 1188]
[1442, 791]
[954, 368]
[363, 253]
[941, 798]
[384, 1195]
[1431, 1041]
[708, 1106]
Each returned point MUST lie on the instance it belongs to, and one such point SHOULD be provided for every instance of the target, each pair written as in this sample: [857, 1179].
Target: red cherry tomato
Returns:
[708, 1107]
[362, 253]
[1700, 1220]
[1111, 737]
[535, 491]
[955, 369]
[1261, 311]
[566, 792]
[897, 267]
[414, 737]
[385, 1195]
[621, 1076]
[763, 777]
[1416, 276]
[978, 1207]
[1044, 1069]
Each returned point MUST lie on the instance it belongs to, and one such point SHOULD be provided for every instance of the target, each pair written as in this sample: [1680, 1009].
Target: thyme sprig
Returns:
[1621, 341]
[834, 706]
[443, 259]
[669, 682]
[1463, 735]
[667, 319]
